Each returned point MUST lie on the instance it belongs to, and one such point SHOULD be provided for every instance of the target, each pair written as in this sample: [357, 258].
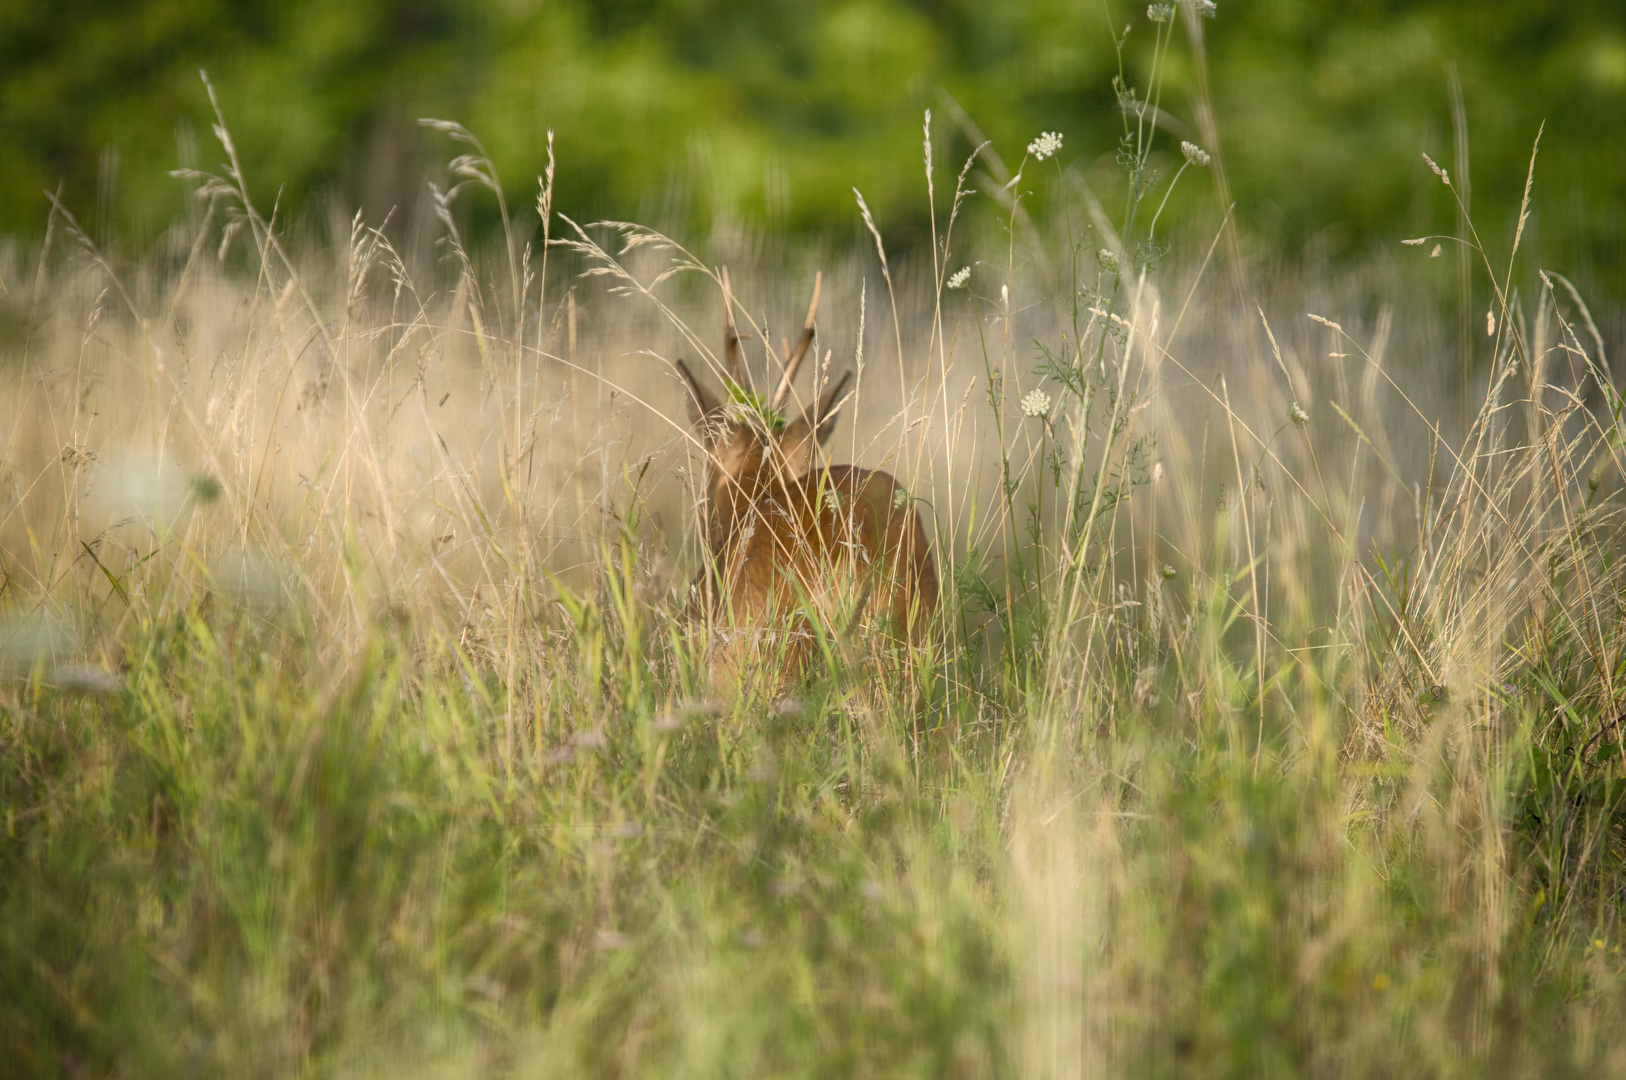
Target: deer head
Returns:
[751, 447]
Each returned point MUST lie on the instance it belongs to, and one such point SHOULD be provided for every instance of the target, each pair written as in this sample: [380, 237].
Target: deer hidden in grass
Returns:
[800, 555]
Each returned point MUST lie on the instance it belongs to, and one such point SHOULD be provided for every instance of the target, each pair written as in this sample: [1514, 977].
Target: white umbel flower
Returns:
[1046, 144]
[1206, 8]
[1195, 154]
[958, 279]
[1037, 403]
[1296, 413]
[1160, 13]
[1108, 259]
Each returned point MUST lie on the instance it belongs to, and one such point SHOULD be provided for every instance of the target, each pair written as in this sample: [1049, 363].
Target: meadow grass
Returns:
[353, 724]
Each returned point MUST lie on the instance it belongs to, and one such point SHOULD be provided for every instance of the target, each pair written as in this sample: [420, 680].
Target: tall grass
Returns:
[352, 723]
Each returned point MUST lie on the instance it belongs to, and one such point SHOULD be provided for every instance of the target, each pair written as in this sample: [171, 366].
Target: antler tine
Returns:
[731, 336]
[795, 359]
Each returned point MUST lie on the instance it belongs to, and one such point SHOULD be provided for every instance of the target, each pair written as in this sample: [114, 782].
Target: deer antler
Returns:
[795, 360]
[731, 336]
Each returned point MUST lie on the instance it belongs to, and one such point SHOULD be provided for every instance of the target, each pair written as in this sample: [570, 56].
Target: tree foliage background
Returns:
[769, 112]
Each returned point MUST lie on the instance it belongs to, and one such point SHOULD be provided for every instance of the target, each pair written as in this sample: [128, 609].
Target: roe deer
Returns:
[789, 540]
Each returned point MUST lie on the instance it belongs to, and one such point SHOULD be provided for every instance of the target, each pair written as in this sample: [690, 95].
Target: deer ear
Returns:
[700, 402]
[825, 416]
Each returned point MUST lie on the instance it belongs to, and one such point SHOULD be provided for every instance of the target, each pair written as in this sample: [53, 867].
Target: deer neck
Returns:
[736, 494]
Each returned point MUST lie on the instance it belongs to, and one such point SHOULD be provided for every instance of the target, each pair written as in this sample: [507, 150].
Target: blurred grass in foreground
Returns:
[350, 722]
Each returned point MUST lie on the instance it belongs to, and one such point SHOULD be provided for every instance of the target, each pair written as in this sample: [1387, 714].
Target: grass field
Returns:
[352, 724]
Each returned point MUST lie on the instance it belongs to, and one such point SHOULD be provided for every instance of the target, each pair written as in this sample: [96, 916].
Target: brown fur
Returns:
[789, 540]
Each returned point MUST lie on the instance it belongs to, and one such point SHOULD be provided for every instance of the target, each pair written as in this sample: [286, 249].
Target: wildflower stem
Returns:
[1152, 230]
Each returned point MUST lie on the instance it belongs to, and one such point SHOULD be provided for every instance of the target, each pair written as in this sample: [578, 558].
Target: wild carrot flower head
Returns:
[1046, 144]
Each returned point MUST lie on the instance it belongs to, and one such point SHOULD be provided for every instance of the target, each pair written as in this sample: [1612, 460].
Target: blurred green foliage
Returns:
[770, 112]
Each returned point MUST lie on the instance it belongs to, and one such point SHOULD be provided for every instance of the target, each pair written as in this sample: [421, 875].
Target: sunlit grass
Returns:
[353, 722]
